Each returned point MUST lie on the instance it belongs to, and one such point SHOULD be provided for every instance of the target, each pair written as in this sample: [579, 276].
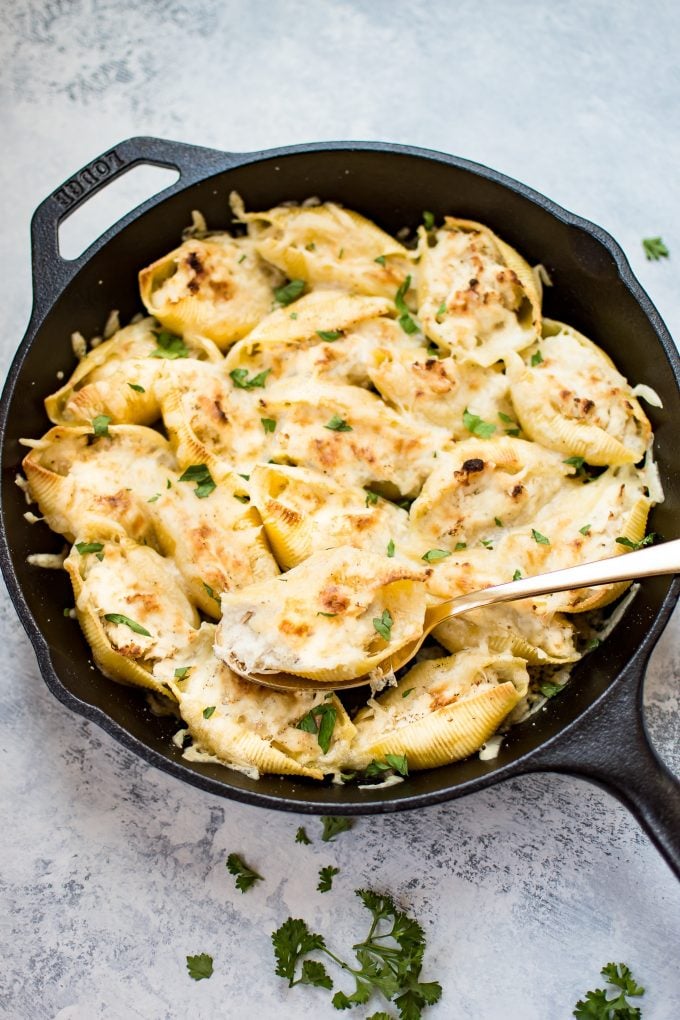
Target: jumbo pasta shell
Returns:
[216, 288]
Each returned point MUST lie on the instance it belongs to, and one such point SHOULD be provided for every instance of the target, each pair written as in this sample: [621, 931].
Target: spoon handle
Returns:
[649, 562]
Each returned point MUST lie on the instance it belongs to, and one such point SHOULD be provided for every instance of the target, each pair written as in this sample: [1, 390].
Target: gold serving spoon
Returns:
[650, 562]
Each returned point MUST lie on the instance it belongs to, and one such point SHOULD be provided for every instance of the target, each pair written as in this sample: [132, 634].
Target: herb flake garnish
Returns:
[598, 1005]
[409, 691]
[245, 876]
[428, 220]
[200, 474]
[100, 425]
[268, 424]
[302, 837]
[89, 547]
[152, 499]
[397, 762]
[380, 260]
[209, 711]
[136, 387]
[210, 591]
[585, 530]
[390, 548]
[170, 346]
[239, 377]
[200, 966]
[333, 825]
[326, 876]
[119, 618]
[329, 335]
[320, 720]
[655, 249]
[517, 576]
[549, 690]
[538, 537]
[576, 462]
[289, 292]
[477, 426]
[338, 424]
[383, 625]
[406, 320]
[536, 359]
[441, 310]
[371, 497]
[181, 672]
[432, 555]
[647, 540]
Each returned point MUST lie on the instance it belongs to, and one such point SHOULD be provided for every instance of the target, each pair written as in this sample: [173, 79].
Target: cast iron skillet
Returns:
[595, 729]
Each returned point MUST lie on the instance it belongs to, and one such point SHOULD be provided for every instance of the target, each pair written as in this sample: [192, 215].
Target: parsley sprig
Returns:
[199, 473]
[289, 292]
[477, 426]
[170, 346]
[326, 876]
[406, 320]
[597, 1005]
[320, 720]
[628, 544]
[200, 966]
[333, 825]
[389, 960]
[655, 249]
[239, 377]
[245, 876]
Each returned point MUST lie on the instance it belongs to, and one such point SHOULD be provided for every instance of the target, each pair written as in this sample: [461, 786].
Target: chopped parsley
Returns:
[100, 425]
[326, 876]
[302, 837]
[409, 691]
[268, 424]
[585, 530]
[119, 618]
[289, 291]
[380, 260]
[376, 768]
[320, 720]
[592, 644]
[397, 762]
[549, 690]
[487, 543]
[536, 359]
[517, 576]
[538, 537]
[153, 498]
[459, 546]
[242, 259]
[200, 474]
[210, 592]
[432, 555]
[383, 624]
[338, 424]
[405, 319]
[136, 387]
[170, 346]
[329, 335]
[200, 966]
[498, 522]
[391, 967]
[245, 876]
[599, 1005]
[507, 420]
[209, 711]
[647, 540]
[655, 249]
[477, 426]
[333, 825]
[89, 547]
[371, 497]
[428, 220]
[390, 548]
[576, 462]
[441, 310]
[181, 672]
[239, 377]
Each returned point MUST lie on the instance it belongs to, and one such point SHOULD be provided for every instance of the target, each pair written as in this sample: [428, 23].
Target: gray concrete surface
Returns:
[112, 872]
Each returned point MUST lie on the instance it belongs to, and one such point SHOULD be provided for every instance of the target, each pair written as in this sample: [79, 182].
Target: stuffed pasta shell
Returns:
[338, 615]
[569, 396]
[477, 297]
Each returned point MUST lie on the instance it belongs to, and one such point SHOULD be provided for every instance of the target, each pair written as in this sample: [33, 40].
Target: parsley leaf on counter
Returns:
[477, 426]
[321, 721]
[239, 377]
[655, 249]
[338, 424]
[245, 876]
[289, 291]
[383, 624]
[326, 878]
[598, 1005]
[302, 837]
[119, 618]
[199, 473]
[405, 319]
[170, 346]
[389, 960]
[200, 966]
[333, 825]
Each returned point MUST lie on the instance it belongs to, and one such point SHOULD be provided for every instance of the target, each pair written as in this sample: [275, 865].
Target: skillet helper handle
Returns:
[52, 272]
[610, 747]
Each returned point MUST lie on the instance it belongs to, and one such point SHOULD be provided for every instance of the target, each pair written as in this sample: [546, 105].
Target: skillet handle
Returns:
[52, 272]
[610, 747]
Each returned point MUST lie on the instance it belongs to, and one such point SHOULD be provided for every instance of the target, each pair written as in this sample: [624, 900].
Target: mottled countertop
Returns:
[112, 871]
